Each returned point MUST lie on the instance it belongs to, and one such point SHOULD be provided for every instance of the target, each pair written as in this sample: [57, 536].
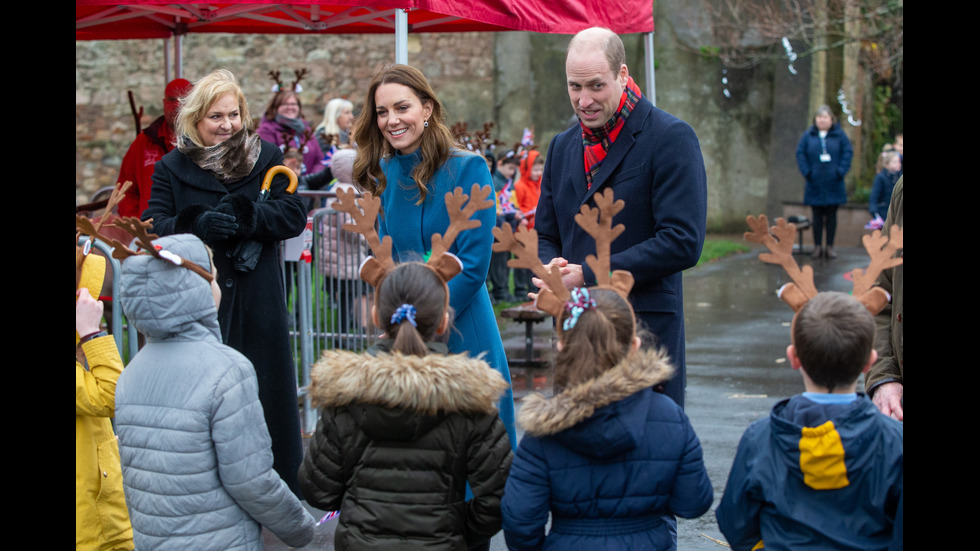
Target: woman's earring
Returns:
[426, 125]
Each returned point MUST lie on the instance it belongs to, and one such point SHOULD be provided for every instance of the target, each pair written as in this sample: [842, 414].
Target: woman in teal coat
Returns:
[407, 158]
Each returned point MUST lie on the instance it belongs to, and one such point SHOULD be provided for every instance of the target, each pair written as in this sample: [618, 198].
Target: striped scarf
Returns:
[598, 141]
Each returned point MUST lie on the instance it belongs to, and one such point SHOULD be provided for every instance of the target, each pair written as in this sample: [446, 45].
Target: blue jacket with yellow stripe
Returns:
[816, 476]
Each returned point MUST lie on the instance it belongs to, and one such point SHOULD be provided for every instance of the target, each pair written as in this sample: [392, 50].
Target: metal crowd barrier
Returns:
[329, 305]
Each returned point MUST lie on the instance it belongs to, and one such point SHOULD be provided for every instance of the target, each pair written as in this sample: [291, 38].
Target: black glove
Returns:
[213, 226]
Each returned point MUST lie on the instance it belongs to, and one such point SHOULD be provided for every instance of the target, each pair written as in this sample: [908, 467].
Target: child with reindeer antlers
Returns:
[825, 470]
[610, 458]
[195, 451]
[404, 428]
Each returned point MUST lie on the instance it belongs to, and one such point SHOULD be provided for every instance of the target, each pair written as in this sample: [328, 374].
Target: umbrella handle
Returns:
[280, 169]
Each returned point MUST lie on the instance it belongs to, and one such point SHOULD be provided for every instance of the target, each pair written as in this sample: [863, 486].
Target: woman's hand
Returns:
[213, 226]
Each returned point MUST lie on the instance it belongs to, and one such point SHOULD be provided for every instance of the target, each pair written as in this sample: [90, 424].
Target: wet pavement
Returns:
[737, 333]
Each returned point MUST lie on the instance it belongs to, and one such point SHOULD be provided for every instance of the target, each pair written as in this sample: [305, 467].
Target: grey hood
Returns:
[165, 301]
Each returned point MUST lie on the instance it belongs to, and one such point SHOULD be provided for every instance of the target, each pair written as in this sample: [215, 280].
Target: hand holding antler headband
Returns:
[597, 222]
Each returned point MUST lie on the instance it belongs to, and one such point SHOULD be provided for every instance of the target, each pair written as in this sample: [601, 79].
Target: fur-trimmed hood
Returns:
[426, 385]
[541, 416]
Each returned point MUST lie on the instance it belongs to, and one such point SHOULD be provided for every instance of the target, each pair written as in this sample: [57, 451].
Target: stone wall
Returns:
[517, 79]
[460, 67]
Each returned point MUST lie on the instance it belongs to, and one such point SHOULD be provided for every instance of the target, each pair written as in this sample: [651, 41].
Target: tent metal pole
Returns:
[401, 36]
[178, 56]
[166, 61]
[651, 80]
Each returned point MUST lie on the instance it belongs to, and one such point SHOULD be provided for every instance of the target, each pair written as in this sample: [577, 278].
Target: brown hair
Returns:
[416, 284]
[601, 338]
[437, 140]
[833, 335]
[280, 98]
[194, 106]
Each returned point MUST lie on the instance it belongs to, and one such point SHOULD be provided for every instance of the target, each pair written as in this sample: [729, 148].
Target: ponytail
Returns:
[600, 338]
[412, 301]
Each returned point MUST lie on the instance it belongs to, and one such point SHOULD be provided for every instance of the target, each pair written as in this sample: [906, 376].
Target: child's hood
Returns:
[821, 443]
[603, 413]
[427, 385]
[163, 300]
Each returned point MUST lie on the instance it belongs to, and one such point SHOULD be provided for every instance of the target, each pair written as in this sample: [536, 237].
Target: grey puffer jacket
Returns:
[196, 454]
[397, 441]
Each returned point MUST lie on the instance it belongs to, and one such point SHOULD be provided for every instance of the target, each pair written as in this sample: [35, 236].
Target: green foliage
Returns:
[710, 51]
[715, 248]
[886, 122]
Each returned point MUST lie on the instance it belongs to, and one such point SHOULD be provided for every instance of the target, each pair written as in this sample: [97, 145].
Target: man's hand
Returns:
[571, 275]
[88, 313]
[888, 398]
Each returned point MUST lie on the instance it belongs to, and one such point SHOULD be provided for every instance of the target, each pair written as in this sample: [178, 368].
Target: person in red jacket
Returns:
[150, 146]
[527, 190]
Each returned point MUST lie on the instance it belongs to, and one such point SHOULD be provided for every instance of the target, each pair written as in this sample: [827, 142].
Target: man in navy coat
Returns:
[652, 160]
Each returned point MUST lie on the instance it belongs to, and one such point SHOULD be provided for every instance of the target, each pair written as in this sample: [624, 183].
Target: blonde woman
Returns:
[209, 187]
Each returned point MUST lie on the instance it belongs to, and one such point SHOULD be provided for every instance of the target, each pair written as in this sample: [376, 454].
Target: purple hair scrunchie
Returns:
[580, 302]
[404, 312]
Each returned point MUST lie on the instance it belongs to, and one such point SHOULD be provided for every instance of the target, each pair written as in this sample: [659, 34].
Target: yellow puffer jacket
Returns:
[101, 518]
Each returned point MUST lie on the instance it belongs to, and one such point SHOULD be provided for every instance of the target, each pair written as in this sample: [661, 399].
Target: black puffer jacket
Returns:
[398, 438]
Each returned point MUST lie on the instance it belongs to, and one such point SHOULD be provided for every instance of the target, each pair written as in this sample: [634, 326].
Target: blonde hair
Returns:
[437, 140]
[195, 105]
[331, 113]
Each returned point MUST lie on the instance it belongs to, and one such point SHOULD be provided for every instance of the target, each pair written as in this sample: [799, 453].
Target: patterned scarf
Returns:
[597, 141]
[230, 160]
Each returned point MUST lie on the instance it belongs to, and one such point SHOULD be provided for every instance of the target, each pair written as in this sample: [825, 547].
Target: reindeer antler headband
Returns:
[364, 213]
[295, 87]
[779, 240]
[86, 226]
[136, 228]
[597, 222]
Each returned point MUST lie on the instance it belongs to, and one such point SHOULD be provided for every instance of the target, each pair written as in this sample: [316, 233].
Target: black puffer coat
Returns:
[398, 438]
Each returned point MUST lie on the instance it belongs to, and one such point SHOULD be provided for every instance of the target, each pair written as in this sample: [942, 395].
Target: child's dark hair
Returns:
[419, 286]
[833, 335]
[509, 158]
[601, 338]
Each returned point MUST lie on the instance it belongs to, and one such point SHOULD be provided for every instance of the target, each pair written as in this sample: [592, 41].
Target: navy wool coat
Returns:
[824, 180]
[655, 165]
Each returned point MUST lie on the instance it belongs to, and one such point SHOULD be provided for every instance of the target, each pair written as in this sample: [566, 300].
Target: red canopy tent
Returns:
[138, 19]
[105, 19]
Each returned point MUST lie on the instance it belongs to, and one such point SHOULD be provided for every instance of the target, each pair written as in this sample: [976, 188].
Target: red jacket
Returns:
[528, 190]
[150, 146]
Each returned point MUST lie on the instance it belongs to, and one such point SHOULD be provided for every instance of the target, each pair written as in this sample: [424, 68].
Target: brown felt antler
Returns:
[86, 226]
[375, 267]
[444, 263]
[597, 222]
[779, 240]
[144, 239]
[440, 259]
[524, 246]
[882, 251]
